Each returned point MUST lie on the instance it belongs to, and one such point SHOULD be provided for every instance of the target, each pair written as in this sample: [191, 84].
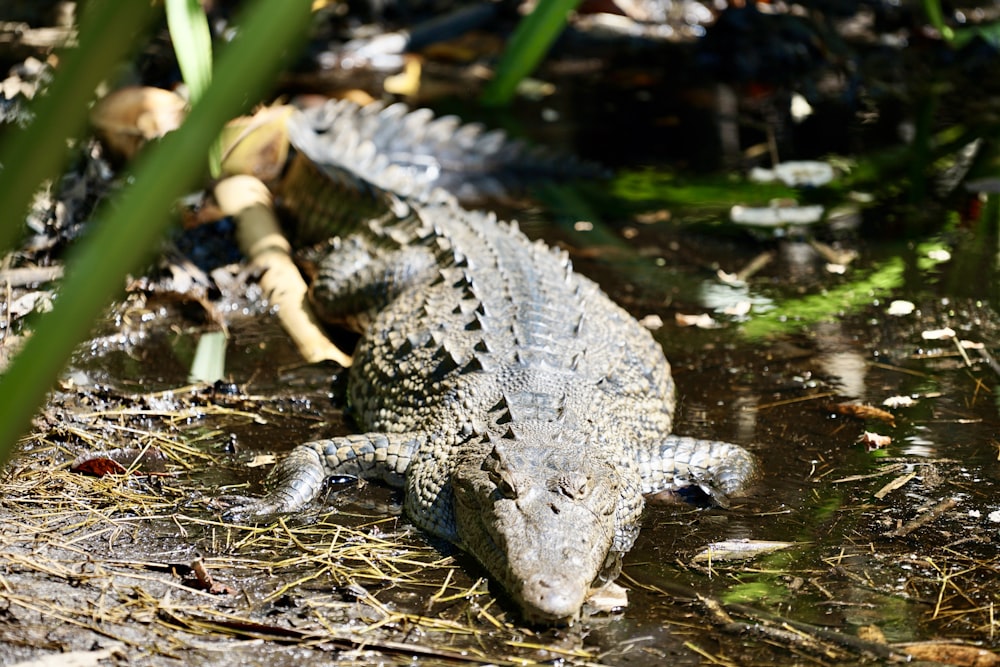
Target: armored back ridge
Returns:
[523, 412]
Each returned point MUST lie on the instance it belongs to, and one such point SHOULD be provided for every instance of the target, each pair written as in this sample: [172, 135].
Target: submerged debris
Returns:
[738, 550]
[949, 653]
[862, 411]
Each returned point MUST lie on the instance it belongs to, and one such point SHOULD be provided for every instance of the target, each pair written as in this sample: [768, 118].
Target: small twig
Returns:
[925, 518]
[887, 470]
[30, 275]
[748, 271]
[894, 484]
[988, 358]
[961, 351]
[831, 254]
[790, 401]
[712, 659]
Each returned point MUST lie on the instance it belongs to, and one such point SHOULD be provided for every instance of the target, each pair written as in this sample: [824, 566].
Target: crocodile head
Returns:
[539, 514]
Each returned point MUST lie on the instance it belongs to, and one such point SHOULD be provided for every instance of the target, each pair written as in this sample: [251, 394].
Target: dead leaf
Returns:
[407, 82]
[262, 460]
[777, 215]
[938, 334]
[652, 217]
[703, 321]
[862, 411]
[97, 466]
[729, 550]
[129, 117]
[899, 402]
[32, 301]
[606, 599]
[808, 173]
[257, 145]
[652, 322]
[873, 441]
[900, 308]
[118, 461]
[357, 95]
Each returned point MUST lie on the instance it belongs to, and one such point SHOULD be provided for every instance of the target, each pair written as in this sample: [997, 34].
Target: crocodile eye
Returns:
[573, 485]
[498, 473]
[505, 488]
[502, 483]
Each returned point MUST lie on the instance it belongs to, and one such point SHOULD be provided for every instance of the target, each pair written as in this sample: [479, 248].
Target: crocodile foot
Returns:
[236, 508]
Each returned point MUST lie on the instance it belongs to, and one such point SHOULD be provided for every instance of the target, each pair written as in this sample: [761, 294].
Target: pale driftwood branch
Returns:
[261, 240]
[30, 275]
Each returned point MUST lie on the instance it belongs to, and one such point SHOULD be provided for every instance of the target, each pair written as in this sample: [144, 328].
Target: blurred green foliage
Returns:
[192, 40]
[528, 45]
[127, 230]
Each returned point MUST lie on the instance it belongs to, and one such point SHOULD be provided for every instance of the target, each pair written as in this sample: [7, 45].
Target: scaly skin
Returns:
[427, 152]
[523, 412]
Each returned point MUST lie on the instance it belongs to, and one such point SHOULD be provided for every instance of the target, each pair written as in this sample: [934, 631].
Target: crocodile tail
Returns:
[418, 155]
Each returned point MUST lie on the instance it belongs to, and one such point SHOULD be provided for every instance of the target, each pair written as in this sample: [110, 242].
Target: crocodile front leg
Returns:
[298, 478]
[720, 469]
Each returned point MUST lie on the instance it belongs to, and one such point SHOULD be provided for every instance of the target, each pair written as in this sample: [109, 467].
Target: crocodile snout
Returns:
[553, 598]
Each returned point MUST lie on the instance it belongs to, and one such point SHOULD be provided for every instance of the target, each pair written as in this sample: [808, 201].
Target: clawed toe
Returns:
[242, 508]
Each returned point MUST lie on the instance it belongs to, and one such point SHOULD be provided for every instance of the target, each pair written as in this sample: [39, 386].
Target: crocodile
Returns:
[524, 414]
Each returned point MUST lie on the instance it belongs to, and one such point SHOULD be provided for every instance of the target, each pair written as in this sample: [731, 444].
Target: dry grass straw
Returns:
[109, 559]
[109, 556]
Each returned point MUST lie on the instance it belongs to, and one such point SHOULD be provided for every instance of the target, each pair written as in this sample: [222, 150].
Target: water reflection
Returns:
[917, 444]
[731, 297]
[842, 360]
